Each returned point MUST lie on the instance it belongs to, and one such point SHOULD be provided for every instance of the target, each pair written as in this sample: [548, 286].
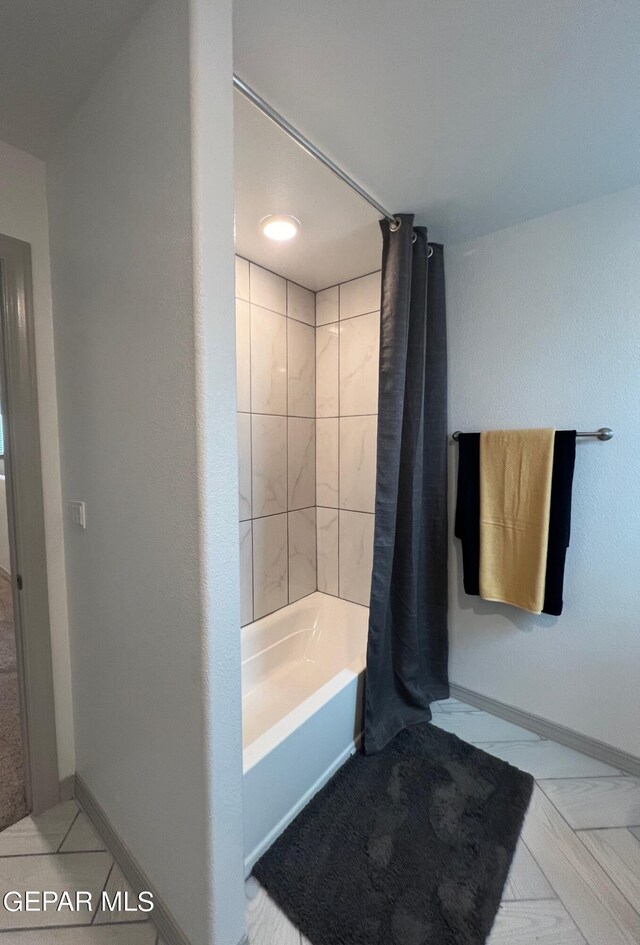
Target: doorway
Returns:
[28, 751]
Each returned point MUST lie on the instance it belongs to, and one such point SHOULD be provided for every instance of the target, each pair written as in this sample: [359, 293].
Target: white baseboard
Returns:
[557, 733]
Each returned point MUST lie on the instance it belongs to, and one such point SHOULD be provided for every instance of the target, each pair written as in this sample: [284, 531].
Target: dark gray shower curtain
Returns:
[408, 642]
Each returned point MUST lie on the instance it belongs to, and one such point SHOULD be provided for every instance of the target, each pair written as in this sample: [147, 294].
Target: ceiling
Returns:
[339, 236]
[51, 52]
[475, 114]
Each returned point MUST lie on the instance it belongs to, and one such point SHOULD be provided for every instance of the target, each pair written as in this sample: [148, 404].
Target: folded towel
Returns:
[564, 458]
[515, 499]
[467, 522]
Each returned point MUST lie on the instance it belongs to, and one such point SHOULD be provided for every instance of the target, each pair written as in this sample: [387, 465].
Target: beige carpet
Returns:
[12, 800]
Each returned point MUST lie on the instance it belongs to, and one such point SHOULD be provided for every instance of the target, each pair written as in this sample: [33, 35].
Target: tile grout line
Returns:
[69, 829]
[339, 399]
[80, 926]
[253, 590]
[603, 867]
[111, 868]
[286, 382]
[522, 840]
[22, 856]
[587, 851]
[274, 273]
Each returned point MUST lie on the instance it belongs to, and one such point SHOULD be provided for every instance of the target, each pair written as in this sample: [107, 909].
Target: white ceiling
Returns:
[339, 236]
[51, 51]
[475, 114]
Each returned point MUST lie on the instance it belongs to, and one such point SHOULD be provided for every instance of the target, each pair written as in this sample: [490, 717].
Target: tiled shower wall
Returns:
[275, 343]
[307, 418]
[347, 344]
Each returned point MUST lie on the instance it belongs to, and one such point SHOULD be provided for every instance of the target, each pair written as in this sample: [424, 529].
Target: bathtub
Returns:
[302, 677]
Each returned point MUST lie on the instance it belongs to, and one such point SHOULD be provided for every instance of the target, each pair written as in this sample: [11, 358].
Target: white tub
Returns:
[302, 675]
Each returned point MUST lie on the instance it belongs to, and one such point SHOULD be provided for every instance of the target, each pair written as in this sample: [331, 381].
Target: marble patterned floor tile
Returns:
[70, 871]
[267, 924]
[126, 901]
[618, 853]
[82, 838]
[547, 759]
[543, 922]
[596, 802]
[526, 879]
[594, 902]
[479, 726]
[452, 705]
[41, 834]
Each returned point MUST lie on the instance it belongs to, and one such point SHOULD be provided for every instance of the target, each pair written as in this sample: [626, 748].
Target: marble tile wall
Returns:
[307, 374]
[276, 392]
[347, 345]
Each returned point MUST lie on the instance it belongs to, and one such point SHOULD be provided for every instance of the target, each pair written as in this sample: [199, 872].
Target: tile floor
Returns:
[60, 850]
[575, 878]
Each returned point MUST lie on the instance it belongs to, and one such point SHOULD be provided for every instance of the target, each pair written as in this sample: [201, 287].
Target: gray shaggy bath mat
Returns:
[411, 846]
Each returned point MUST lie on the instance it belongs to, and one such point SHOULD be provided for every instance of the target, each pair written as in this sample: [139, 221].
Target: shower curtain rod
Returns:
[604, 433]
[309, 147]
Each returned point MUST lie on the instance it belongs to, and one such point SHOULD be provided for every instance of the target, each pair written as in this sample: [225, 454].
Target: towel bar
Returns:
[604, 433]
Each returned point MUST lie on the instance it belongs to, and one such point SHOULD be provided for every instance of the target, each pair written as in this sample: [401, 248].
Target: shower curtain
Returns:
[408, 642]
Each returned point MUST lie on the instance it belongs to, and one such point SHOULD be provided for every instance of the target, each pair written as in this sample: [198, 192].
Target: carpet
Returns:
[12, 797]
[411, 846]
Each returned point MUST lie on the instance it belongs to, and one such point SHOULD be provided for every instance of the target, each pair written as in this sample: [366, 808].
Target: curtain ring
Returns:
[395, 224]
[430, 252]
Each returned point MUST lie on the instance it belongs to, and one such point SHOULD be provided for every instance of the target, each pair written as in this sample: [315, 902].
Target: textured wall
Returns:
[140, 190]
[544, 330]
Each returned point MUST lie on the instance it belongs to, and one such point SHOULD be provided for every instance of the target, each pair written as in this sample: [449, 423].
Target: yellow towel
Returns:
[515, 494]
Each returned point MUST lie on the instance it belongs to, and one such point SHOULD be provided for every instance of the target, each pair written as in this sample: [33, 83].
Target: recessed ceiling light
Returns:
[279, 227]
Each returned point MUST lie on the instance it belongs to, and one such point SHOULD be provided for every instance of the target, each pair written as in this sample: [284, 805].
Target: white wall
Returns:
[144, 336]
[213, 269]
[544, 330]
[23, 215]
